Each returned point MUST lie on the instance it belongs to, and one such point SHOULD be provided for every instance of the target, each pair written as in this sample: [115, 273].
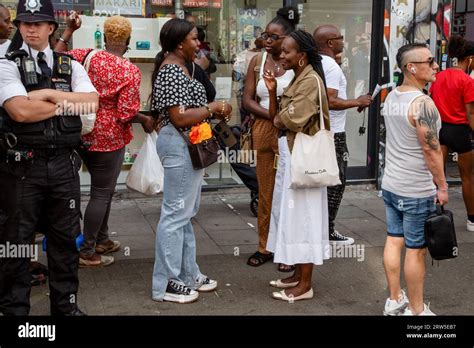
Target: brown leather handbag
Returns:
[203, 154]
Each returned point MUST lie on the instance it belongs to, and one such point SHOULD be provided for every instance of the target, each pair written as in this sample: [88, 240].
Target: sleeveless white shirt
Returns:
[406, 173]
[282, 82]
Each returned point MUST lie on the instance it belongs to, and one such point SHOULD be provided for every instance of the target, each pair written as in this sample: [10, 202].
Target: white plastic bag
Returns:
[146, 174]
[88, 121]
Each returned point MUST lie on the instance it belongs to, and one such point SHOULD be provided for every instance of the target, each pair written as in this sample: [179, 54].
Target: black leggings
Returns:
[104, 168]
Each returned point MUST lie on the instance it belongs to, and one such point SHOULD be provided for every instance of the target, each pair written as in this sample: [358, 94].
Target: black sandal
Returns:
[260, 259]
[285, 268]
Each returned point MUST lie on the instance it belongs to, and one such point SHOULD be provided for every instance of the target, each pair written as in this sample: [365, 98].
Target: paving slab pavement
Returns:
[226, 235]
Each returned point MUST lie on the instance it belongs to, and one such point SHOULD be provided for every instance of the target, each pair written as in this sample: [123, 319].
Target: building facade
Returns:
[373, 31]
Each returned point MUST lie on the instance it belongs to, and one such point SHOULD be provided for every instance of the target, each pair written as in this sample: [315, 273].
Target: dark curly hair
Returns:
[460, 48]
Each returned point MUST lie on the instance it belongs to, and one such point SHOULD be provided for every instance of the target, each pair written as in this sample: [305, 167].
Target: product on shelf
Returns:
[98, 38]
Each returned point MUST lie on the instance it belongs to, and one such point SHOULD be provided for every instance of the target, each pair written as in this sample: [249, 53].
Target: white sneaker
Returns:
[396, 307]
[470, 226]
[426, 311]
[207, 285]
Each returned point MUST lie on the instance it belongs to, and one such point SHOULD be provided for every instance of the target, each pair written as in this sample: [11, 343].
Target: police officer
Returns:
[40, 92]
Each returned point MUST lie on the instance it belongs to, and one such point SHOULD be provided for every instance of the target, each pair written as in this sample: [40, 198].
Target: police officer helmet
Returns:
[31, 11]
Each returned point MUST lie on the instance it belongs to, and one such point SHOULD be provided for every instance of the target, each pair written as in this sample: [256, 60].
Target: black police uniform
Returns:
[39, 180]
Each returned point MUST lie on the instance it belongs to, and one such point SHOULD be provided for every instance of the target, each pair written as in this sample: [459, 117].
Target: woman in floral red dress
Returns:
[118, 83]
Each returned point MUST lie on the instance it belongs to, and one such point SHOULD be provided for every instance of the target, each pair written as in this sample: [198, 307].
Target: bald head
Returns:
[329, 39]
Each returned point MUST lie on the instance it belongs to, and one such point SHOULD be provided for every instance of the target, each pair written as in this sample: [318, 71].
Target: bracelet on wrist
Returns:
[211, 114]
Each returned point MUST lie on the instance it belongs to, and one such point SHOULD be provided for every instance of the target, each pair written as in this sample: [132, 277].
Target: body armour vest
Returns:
[55, 132]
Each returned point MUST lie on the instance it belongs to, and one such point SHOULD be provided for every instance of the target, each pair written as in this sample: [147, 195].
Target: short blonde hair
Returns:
[117, 30]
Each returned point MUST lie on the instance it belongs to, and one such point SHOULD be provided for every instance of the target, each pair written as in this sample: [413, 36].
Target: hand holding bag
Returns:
[313, 160]
[440, 235]
[88, 120]
[147, 173]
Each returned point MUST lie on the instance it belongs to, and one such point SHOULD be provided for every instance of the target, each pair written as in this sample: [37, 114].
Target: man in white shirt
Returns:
[331, 43]
[41, 95]
[6, 27]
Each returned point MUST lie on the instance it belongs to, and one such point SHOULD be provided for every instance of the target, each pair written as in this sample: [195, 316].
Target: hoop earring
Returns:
[301, 62]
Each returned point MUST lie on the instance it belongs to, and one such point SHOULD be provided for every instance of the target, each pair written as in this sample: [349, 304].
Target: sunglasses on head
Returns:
[430, 61]
[273, 37]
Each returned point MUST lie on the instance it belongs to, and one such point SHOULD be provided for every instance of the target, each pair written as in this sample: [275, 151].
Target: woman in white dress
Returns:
[299, 222]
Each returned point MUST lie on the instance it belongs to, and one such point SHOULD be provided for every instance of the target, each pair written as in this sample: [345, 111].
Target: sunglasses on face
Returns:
[430, 61]
[273, 37]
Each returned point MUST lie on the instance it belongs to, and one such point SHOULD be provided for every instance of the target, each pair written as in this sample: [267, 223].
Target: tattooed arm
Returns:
[425, 117]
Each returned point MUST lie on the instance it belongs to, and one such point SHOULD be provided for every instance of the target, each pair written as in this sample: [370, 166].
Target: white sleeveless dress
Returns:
[299, 223]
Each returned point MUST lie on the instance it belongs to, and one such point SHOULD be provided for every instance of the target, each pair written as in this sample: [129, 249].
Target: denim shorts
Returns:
[406, 217]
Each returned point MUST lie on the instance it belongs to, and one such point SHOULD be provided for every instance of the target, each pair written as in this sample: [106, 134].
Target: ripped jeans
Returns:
[175, 246]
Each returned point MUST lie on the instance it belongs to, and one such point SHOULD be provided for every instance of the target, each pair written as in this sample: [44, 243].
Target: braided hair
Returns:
[306, 43]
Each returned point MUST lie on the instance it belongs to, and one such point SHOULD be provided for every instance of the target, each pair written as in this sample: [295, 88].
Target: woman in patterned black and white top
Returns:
[181, 102]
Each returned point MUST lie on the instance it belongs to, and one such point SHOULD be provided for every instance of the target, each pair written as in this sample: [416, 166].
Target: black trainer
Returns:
[338, 239]
[179, 293]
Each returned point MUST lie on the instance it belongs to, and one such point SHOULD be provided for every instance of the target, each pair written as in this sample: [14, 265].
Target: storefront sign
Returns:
[167, 3]
[77, 5]
[189, 3]
[202, 3]
[122, 7]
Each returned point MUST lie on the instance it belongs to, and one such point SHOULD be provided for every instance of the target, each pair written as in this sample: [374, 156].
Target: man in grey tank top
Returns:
[414, 177]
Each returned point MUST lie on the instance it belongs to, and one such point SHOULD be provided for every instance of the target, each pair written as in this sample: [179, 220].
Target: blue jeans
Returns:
[175, 246]
[406, 217]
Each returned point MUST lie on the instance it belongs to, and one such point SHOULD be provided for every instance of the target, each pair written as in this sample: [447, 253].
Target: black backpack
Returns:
[440, 235]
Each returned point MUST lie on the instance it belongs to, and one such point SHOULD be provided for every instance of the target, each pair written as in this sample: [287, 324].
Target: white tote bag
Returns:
[313, 160]
[88, 120]
[146, 175]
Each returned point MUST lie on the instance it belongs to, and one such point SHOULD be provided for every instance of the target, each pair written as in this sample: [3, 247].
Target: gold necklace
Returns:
[276, 65]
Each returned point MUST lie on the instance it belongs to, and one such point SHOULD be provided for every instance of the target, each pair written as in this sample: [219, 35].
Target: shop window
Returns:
[353, 18]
